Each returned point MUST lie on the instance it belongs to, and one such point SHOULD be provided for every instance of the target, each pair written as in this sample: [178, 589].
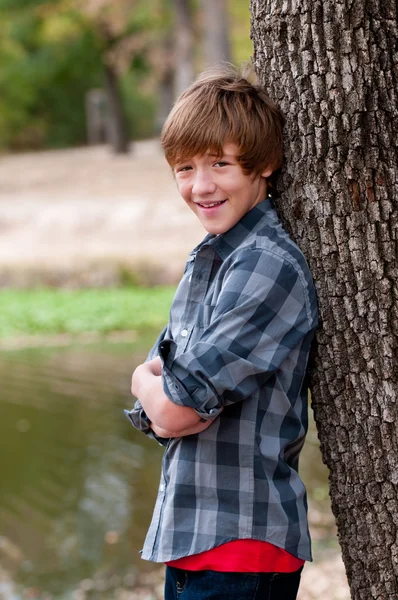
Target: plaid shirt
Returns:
[239, 335]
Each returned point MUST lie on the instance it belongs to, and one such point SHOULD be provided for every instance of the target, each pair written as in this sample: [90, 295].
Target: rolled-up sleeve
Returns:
[262, 315]
[137, 415]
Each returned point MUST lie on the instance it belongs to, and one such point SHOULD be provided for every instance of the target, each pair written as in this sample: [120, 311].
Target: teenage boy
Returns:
[224, 387]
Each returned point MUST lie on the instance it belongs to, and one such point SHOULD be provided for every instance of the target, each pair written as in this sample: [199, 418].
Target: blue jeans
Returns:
[212, 585]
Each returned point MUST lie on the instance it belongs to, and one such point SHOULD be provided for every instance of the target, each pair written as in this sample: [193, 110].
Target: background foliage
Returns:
[53, 51]
[55, 311]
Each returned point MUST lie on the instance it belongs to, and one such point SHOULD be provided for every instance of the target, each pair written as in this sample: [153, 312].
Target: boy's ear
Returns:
[267, 173]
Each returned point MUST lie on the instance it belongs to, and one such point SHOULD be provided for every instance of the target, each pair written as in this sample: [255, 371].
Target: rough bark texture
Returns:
[333, 69]
[216, 45]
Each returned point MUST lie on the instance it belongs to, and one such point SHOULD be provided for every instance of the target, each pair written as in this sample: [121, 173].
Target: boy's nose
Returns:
[203, 184]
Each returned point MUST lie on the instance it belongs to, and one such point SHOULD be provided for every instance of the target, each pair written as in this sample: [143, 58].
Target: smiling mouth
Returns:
[212, 205]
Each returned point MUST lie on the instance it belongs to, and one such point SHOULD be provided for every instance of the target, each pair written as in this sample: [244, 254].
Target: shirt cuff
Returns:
[139, 420]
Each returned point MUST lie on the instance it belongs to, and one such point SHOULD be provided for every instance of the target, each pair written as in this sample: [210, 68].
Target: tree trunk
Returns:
[117, 130]
[333, 69]
[164, 68]
[184, 43]
[165, 98]
[215, 31]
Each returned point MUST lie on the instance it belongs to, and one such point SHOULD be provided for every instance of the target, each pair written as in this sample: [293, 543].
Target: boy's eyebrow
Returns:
[223, 154]
[209, 154]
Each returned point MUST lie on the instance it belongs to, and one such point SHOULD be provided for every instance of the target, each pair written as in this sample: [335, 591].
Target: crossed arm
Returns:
[167, 418]
[250, 335]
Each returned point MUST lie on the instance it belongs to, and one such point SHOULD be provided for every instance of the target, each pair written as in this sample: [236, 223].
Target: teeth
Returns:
[211, 205]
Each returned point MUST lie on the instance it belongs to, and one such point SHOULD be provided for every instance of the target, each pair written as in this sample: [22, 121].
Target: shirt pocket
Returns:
[183, 338]
[194, 332]
[205, 315]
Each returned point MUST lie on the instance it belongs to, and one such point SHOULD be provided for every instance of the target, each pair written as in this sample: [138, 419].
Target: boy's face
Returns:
[217, 190]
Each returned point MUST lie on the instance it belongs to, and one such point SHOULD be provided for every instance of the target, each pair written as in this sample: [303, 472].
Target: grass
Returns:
[54, 311]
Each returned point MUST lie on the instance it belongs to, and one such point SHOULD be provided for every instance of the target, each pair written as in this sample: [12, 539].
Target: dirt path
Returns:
[78, 215]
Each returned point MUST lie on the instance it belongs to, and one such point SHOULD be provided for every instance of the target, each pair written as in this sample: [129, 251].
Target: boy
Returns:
[224, 385]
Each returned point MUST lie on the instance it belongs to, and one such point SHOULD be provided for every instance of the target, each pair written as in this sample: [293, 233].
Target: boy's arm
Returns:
[265, 315]
[163, 433]
[166, 418]
[137, 415]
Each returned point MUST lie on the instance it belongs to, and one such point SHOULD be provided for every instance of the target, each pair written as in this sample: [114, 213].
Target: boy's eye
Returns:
[220, 163]
[183, 169]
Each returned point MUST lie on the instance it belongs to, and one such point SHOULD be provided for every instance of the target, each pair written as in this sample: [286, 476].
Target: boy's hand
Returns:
[152, 368]
[174, 420]
[155, 366]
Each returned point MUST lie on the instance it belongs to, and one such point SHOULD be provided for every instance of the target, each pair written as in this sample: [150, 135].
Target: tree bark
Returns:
[215, 32]
[333, 69]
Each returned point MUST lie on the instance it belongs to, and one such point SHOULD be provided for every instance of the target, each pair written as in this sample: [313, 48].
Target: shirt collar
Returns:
[227, 242]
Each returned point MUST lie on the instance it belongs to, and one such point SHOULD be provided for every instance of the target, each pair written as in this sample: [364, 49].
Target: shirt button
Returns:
[184, 332]
[161, 488]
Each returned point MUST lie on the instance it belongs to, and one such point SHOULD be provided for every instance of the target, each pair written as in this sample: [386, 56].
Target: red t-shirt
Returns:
[241, 556]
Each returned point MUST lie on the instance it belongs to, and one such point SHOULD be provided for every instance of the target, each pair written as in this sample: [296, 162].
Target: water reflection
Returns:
[77, 482]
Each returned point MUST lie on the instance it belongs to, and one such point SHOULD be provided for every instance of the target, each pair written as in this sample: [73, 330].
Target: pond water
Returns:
[78, 483]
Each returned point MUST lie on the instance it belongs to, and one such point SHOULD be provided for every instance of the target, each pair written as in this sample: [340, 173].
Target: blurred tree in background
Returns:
[53, 51]
[48, 58]
[216, 31]
[126, 31]
[141, 52]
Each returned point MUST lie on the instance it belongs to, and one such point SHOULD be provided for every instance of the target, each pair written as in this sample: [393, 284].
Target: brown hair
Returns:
[222, 106]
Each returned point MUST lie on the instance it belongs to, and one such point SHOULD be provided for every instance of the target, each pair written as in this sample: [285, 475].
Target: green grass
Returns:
[54, 311]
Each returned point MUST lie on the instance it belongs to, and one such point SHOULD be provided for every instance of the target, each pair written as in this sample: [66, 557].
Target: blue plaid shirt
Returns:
[239, 335]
